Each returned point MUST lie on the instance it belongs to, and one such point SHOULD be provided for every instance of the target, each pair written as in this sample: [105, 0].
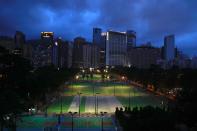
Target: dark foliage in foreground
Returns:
[22, 87]
[146, 119]
[182, 110]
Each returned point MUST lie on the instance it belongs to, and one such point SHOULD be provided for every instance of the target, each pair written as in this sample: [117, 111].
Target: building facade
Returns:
[95, 56]
[131, 38]
[116, 48]
[19, 40]
[87, 56]
[143, 57]
[78, 52]
[169, 48]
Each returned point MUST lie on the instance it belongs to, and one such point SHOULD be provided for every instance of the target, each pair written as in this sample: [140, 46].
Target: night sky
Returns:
[151, 19]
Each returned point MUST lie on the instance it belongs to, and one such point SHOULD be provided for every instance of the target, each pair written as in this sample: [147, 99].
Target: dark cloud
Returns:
[151, 19]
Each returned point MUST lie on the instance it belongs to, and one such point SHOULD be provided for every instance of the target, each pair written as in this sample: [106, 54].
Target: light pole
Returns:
[122, 80]
[96, 103]
[114, 89]
[93, 90]
[76, 78]
[129, 97]
[102, 114]
[72, 114]
[79, 93]
[72, 87]
[61, 105]
[133, 96]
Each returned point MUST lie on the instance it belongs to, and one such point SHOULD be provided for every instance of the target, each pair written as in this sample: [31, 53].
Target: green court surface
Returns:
[87, 122]
[82, 106]
[36, 121]
[56, 106]
[88, 88]
[122, 92]
[140, 101]
[66, 122]
[96, 77]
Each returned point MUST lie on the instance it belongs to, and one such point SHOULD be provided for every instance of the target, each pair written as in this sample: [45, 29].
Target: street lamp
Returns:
[96, 103]
[93, 89]
[72, 87]
[129, 97]
[77, 77]
[114, 89]
[79, 93]
[72, 114]
[61, 105]
[123, 78]
[102, 114]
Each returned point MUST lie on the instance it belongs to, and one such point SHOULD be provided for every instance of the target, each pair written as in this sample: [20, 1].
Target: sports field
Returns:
[105, 96]
[95, 96]
[65, 122]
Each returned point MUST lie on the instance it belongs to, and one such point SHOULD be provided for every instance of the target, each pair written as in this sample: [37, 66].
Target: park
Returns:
[89, 104]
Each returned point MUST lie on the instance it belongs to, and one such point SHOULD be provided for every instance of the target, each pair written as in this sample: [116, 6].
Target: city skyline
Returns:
[151, 20]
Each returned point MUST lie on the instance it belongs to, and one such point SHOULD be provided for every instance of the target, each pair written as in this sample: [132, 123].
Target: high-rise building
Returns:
[97, 37]
[47, 38]
[7, 43]
[95, 56]
[42, 50]
[69, 55]
[54, 55]
[42, 53]
[47, 35]
[143, 57]
[194, 62]
[87, 55]
[131, 39]
[78, 52]
[90, 55]
[116, 48]
[61, 54]
[102, 54]
[27, 51]
[169, 48]
[19, 40]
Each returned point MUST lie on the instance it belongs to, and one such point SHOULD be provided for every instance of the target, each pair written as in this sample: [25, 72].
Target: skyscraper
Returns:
[116, 48]
[97, 38]
[19, 40]
[169, 48]
[47, 35]
[55, 54]
[131, 38]
[95, 56]
[78, 52]
[143, 57]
